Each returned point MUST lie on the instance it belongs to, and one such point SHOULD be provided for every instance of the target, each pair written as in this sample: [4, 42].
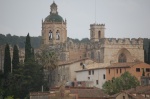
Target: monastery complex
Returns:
[94, 62]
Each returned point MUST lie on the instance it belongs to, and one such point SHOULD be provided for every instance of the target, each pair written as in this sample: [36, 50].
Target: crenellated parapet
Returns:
[123, 41]
[97, 25]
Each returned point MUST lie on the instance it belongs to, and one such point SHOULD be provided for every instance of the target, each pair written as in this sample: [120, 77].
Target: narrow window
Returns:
[93, 72]
[57, 35]
[137, 69]
[117, 71]
[109, 71]
[50, 35]
[120, 70]
[103, 76]
[88, 78]
[97, 82]
[89, 72]
[99, 34]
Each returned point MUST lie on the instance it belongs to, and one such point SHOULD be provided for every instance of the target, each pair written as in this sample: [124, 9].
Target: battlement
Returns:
[123, 41]
[97, 24]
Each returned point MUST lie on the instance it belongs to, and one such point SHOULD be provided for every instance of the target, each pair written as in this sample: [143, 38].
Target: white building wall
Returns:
[97, 76]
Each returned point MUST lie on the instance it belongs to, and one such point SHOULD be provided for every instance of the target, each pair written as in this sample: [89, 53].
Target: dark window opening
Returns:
[147, 69]
[103, 76]
[99, 34]
[88, 78]
[93, 72]
[122, 58]
[50, 35]
[120, 70]
[109, 71]
[137, 69]
[89, 72]
[97, 82]
[123, 97]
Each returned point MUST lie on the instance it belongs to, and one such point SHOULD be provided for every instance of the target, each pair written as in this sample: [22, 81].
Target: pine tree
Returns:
[15, 60]
[28, 49]
[7, 61]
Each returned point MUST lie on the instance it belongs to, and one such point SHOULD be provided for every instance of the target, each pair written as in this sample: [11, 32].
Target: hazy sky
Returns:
[122, 18]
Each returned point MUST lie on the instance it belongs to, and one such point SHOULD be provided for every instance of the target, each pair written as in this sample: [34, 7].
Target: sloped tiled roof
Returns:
[123, 65]
[88, 93]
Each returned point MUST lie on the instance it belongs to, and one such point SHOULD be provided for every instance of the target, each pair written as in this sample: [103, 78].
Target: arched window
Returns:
[122, 58]
[57, 35]
[99, 34]
[50, 35]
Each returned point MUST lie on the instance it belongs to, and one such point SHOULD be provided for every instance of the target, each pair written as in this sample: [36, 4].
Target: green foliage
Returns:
[25, 78]
[48, 58]
[84, 40]
[146, 46]
[149, 54]
[19, 40]
[15, 60]
[7, 61]
[9, 97]
[124, 82]
[29, 50]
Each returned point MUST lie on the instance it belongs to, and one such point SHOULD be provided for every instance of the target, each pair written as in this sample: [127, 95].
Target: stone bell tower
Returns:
[97, 31]
[54, 28]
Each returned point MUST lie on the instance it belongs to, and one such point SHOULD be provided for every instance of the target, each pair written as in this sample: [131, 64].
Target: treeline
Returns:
[19, 40]
[35, 41]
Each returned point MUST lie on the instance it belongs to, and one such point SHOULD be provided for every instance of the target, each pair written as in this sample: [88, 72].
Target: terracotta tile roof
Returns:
[123, 65]
[71, 61]
[139, 90]
[88, 93]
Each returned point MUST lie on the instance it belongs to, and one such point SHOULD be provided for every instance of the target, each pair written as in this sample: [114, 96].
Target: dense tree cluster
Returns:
[124, 82]
[18, 81]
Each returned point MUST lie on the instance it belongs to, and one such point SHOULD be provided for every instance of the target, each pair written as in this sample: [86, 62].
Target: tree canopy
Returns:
[124, 82]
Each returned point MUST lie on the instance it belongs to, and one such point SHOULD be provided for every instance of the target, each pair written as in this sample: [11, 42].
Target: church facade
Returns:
[103, 51]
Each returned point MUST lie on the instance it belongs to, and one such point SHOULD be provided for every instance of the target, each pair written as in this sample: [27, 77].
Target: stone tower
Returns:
[54, 28]
[97, 31]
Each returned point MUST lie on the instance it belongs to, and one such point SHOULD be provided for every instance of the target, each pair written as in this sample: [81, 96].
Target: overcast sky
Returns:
[122, 18]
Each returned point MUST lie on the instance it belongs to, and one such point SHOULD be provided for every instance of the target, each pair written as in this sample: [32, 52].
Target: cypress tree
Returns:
[28, 49]
[15, 60]
[149, 54]
[145, 55]
[7, 61]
